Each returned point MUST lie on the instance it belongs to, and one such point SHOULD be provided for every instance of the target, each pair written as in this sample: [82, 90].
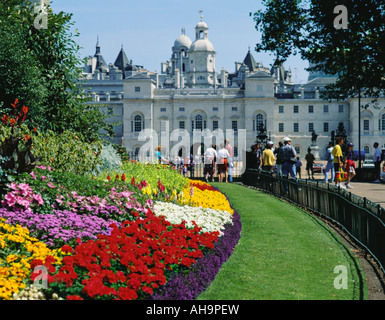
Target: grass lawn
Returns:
[283, 254]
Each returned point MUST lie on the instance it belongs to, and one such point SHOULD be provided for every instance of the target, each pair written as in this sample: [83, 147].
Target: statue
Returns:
[314, 148]
[314, 138]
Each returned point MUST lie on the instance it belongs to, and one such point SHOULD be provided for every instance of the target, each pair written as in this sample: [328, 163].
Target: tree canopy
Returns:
[42, 68]
[356, 55]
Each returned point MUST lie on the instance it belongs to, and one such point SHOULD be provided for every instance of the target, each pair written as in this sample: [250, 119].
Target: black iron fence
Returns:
[362, 219]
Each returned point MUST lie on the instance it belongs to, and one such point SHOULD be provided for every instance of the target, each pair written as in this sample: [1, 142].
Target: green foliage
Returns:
[122, 151]
[43, 69]
[15, 146]
[150, 173]
[67, 152]
[356, 54]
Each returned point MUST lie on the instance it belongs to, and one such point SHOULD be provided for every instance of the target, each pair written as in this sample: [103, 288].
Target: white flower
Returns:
[208, 219]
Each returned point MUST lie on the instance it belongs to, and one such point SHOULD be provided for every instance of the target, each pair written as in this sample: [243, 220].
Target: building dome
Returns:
[202, 24]
[202, 45]
[182, 41]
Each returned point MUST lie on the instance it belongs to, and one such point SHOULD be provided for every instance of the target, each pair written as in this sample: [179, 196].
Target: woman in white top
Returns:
[223, 154]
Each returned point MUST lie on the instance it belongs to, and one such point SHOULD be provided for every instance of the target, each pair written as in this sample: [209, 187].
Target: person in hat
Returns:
[268, 157]
[288, 154]
[350, 165]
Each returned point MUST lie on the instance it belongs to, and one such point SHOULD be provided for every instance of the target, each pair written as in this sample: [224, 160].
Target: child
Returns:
[350, 165]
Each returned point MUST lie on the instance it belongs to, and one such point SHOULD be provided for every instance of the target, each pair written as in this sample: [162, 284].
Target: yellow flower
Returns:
[15, 267]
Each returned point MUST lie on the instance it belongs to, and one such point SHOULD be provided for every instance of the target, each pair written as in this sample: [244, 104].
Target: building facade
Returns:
[190, 94]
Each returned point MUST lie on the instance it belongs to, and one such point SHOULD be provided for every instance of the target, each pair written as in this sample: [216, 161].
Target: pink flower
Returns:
[33, 175]
[49, 184]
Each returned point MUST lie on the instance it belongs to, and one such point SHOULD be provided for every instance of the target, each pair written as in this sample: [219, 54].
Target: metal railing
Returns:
[362, 219]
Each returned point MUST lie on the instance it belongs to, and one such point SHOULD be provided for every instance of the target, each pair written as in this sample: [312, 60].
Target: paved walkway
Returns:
[374, 192]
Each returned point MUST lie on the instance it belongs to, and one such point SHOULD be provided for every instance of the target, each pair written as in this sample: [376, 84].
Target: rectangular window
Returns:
[326, 109]
[215, 124]
[296, 127]
[366, 125]
[163, 109]
[280, 127]
[259, 88]
[215, 109]
[326, 126]
[181, 125]
[341, 108]
[181, 109]
[280, 109]
[295, 109]
[234, 108]
[311, 126]
[137, 89]
[311, 109]
[234, 125]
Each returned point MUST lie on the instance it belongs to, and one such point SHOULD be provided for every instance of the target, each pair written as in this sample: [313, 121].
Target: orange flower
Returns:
[14, 105]
[5, 119]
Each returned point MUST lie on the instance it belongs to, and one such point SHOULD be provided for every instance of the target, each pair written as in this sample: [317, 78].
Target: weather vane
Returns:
[201, 13]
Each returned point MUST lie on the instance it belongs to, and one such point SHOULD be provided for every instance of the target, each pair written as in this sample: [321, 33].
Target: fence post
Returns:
[364, 202]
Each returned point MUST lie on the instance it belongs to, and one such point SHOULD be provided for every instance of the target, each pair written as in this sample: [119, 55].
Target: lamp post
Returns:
[262, 136]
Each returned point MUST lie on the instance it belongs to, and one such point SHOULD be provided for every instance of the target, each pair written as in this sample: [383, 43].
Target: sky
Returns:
[147, 30]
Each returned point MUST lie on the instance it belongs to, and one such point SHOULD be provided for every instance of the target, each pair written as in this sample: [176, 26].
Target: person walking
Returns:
[329, 165]
[298, 167]
[229, 148]
[279, 161]
[209, 162]
[309, 163]
[377, 161]
[223, 154]
[258, 155]
[268, 157]
[350, 165]
[288, 155]
[337, 162]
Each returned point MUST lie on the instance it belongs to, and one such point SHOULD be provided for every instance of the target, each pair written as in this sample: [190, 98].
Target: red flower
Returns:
[74, 297]
[108, 178]
[123, 177]
[5, 119]
[66, 249]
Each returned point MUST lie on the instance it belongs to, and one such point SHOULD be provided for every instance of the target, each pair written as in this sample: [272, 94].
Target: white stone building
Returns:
[189, 93]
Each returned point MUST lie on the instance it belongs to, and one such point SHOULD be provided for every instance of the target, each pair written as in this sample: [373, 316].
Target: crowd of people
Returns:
[215, 161]
[283, 161]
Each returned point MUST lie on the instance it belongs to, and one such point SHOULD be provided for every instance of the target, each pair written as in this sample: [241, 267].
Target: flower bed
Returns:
[119, 238]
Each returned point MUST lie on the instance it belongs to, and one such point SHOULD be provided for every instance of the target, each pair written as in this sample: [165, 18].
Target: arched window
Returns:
[257, 122]
[235, 152]
[297, 150]
[198, 122]
[366, 149]
[138, 123]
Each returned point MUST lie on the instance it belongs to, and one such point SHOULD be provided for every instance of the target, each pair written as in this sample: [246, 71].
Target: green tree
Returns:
[54, 92]
[356, 54]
